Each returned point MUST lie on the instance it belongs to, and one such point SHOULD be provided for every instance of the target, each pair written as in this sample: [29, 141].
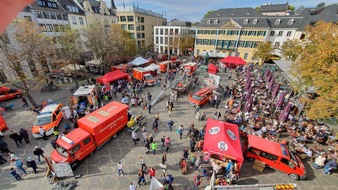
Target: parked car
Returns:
[9, 93]
[201, 97]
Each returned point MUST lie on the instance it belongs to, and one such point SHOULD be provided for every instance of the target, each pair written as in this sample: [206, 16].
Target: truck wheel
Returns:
[115, 136]
[251, 160]
[75, 165]
[294, 176]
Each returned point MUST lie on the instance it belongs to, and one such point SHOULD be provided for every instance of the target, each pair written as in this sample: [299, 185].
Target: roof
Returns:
[75, 136]
[139, 61]
[274, 8]
[84, 90]
[223, 139]
[58, 8]
[49, 108]
[203, 91]
[112, 76]
[64, 4]
[266, 145]
[233, 60]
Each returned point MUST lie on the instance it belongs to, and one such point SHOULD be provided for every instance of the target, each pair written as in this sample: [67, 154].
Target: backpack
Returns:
[171, 178]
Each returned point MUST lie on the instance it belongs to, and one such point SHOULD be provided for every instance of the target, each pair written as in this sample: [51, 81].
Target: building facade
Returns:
[140, 24]
[164, 36]
[76, 16]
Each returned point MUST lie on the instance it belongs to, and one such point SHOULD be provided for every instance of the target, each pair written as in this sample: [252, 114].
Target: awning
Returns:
[138, 61]
[153, 67]
[212, 69]
[112, 76]
[233, 60]
[223, 139]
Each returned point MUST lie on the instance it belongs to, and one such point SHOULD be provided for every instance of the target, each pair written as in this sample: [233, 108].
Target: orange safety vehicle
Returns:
[190, 68]
[164, 66]
[3, 124]
[201, 97]
[143, 75]
[94, 130]
[9, 93]
[49, 118]
[276, 156]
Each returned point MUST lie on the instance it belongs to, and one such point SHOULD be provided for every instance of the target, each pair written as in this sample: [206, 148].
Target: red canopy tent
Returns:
[222, 140]
[233, 61]
[213, 69]
[112, 76]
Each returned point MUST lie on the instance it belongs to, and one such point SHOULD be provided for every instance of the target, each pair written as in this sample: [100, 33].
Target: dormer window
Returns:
[255, 21]
[291, 21]
[209, 22]
[277, 22]
[246, 21]
[216, 22]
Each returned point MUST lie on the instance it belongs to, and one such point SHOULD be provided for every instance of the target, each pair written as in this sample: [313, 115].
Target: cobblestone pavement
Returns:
[99, 170]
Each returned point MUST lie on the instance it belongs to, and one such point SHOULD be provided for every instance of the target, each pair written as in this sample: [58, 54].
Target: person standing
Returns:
[153, 147]
[192, 144]
[149, 97]
[217, 114]
[141, 178]
[149, 107]
[142, 163]
[164, 158]
[167, 144]
[151, 172]
[135, 137]
[39, 153]
[170, 124]
[170, 108]
[43, 133]
[132, 185]
[185, 153]
[16, 137]
[53, 142]
[31, 164]
[180, 131]
[119, 169]
[155, 125]
[24, 134]
[163, 140]
[25, 104]
[15, 174]
[197, 181]
[4, 147]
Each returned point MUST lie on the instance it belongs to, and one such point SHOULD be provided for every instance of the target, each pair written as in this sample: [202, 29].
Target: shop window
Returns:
[246, 56]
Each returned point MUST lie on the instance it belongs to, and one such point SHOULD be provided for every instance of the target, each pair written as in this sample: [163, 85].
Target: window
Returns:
[280, 33]
[142, 27]
[28, 18]
[142, 19]
[62, 28]
[143, 35]
[132, 35]
[49, 28]
[230, 53]
[123, 18]
[268, 156]
[205, 42]
[156, 40]
[45, 15]
[277, 44]
[81, 20]
[212, 42]
[59, 16]
[161, 40]
[138, 27]
[52, 16]
[238, 54]
[87, 140]
[56, 28]
[240, 44]
[288, 33]
[216, 22]
[137, 19]
[255, 21]
[64, 16]
[272, 33]
[161, 31]
[138, 35]
[130, 18]
[38, 14]
[124, 26]
[156, 31]
[166, 31]
[245, 21]
[287, 162]
[277, 22]
[74, 20]
[291, 21]
[246, 55]
[199, 31]
[41, 3]
[75, 149]
[209, 21]
[73, 8]
[248, 44]
[176, 31]
[130, 27]
[43, 28]
[219, 43]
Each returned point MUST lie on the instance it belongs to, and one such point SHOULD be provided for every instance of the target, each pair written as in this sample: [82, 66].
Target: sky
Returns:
[193, 10]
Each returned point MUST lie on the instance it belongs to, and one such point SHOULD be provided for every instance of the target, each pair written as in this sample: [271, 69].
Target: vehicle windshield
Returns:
[43, 120]
[293, 158]
[148, 77]
[196, 97]
[63, 152]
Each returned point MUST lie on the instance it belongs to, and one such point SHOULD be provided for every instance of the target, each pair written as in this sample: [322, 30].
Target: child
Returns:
[15, 174]
[120, 170]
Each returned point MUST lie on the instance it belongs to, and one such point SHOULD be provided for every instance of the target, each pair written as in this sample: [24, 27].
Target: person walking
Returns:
[135, 137]
[16, 138]
[185, 153]
[15, 174]
[197, 181]
[217, 114]
[180, 131]
[30, 163]
[142, 163]
[163, 140]
[164, 158]
[155, 125]
[24, 134]
[19, 165]
[43, 133]
[170, 108]
[153, 147]
[120, 169]
[192, 144]
[149, 97]
[39, 153]
[25, 104]
[149, 107]
[167, 144]
[141, 178]
[151, 172]
[170, 125]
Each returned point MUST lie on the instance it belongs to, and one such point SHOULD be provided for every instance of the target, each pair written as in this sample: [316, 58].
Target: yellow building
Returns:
[140, 24]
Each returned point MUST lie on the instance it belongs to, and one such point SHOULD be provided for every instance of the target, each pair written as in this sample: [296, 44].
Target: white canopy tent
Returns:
[93, 62]
[153, 67]
[72, 67]
[155, 184]
[138, 61]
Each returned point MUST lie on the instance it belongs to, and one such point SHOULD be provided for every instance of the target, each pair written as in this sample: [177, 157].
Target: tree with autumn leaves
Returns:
[263, 52]
[317, 65]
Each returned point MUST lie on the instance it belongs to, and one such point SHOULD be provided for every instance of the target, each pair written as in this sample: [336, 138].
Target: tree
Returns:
[22, 45]
[122, 42]
[183, 43]
[291, 49]
[72, 49]
[208, 13]
[263, 51]
[258, 9]
[290, 7]
[320, 5]
[318, 67]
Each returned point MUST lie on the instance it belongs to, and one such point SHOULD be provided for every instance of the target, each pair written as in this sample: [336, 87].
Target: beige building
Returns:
[140, 24]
